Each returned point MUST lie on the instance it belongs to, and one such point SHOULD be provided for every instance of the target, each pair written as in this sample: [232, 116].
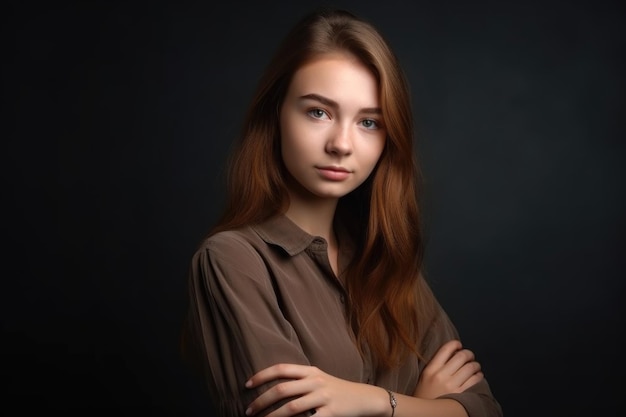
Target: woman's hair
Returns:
[382, 214]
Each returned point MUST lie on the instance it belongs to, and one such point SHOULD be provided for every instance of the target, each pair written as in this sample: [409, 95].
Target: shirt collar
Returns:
[281, 231]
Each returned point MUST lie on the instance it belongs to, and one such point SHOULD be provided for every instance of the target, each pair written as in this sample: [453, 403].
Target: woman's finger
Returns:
[298, 406]
[462, 375]
[281, 370]
[473, 380]
[466, 371]
[445, 352]
[457, 361]
[279, 392]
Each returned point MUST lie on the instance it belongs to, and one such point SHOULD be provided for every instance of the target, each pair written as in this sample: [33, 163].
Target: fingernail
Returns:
[248, 384]
[249, 411]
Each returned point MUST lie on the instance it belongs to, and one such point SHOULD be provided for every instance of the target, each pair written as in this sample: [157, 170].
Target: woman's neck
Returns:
[314, 216]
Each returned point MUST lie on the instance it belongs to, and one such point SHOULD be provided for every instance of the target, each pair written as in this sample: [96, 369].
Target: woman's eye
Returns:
[318, 114]
[370, 124]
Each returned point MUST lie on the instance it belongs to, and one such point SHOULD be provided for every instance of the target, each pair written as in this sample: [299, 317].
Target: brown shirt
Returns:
[266, 294]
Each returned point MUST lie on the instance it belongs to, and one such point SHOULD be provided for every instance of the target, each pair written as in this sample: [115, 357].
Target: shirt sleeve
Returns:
[477, 400]
[235, 326]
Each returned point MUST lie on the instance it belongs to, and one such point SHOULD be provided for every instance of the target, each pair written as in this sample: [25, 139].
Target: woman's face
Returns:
[332, 132]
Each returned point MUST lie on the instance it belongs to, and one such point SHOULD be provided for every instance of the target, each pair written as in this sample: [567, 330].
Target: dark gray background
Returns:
[118, 116]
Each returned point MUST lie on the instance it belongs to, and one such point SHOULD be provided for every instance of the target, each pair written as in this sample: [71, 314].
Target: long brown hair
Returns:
[382, 214]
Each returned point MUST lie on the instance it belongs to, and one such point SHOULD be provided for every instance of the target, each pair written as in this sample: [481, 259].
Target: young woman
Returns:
[308, 295]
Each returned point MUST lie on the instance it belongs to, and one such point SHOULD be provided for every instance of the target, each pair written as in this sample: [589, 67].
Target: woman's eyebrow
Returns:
[332, 103]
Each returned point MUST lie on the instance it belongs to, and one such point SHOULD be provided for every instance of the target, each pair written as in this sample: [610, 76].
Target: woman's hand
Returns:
[315, 390]
[451, 370]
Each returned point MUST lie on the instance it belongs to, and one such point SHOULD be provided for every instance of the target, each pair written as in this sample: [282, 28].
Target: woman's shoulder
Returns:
[238, 249]
[232, 239]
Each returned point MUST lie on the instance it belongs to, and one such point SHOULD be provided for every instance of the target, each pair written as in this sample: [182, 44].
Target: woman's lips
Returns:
[334, 173]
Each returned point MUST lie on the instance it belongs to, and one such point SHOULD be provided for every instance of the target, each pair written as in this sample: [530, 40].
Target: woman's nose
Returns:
[340, 141]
